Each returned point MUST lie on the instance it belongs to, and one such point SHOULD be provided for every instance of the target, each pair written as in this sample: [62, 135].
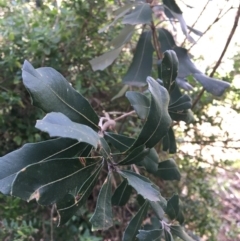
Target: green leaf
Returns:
[168, 69]
[159, 207]
[122, 194]
[142, 14]
[103, 61]
[51, 92]
[135, 223]
[136, 156]
[141, 65]
[168, 170]
[174, 209]
[150, 161]
[102, 218]
[152, 235]
[105, 149]
[124, 37]
[169, 142]
[120, 142]
[16, 161]
[141, 184]
[179, 232]
[158, 121]
[120, 93]
[66, 211]
[168, 235]
[140, 103]
[119, 13]
[171, 4]
[35, 182]
[166, 39]
[59, 125]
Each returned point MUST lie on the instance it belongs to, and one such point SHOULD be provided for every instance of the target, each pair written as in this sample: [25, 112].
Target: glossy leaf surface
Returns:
[68, 209]
[51, 92]
[135, 223]
[102, 218]
[59, 125]
[141, 65]
[168, 170]
[14, 162]
[179, 232]
[158, 120]
[122, 194]
[141, 184]
[139, 102]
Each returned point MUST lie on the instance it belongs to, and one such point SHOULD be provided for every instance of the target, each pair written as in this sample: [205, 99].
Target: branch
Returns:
[156, 43]
[234, 27]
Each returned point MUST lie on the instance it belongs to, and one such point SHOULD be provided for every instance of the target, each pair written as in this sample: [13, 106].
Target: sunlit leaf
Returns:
[135, 223]
[142, 14]
[141, 184]
[14, 162]
[103, 218]
[168, 170]
[141, 65]
[122, 194]
[59, 125]
[51, 92]
[66, 211]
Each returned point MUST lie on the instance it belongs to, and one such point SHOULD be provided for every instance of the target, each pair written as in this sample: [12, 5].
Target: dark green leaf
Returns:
[166, 39]
[136, 156]
[179, 232]
[174, 209]
[59, 125]
[124, 37]
[142, 14]
[168, 69]
[158, 121]
[171, 4]
[105, 149]
[168, 170]
[103, 61]
[35, 182]
[65, 212]
[169, 142]
[122, 194]
[135, 223]
[141, 65]
[139, 102]
[159, 207]
[141, 184]
[102, 218]
[120, 142]
[51, 92]
[16, 161]
[152, 235]
[150, 161]
[168, 235]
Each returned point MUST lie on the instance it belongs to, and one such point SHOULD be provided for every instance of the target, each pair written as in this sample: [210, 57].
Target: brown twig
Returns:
[234, 27]
[156, 43]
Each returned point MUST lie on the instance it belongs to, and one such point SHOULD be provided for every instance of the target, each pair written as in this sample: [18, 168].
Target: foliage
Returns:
[85, 142]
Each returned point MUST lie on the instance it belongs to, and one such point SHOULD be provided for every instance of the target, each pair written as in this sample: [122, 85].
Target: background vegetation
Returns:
[64, 35]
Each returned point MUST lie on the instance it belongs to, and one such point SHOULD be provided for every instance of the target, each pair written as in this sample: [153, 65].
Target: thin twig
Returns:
[125, 115]
[235, 24]
[156, 43]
